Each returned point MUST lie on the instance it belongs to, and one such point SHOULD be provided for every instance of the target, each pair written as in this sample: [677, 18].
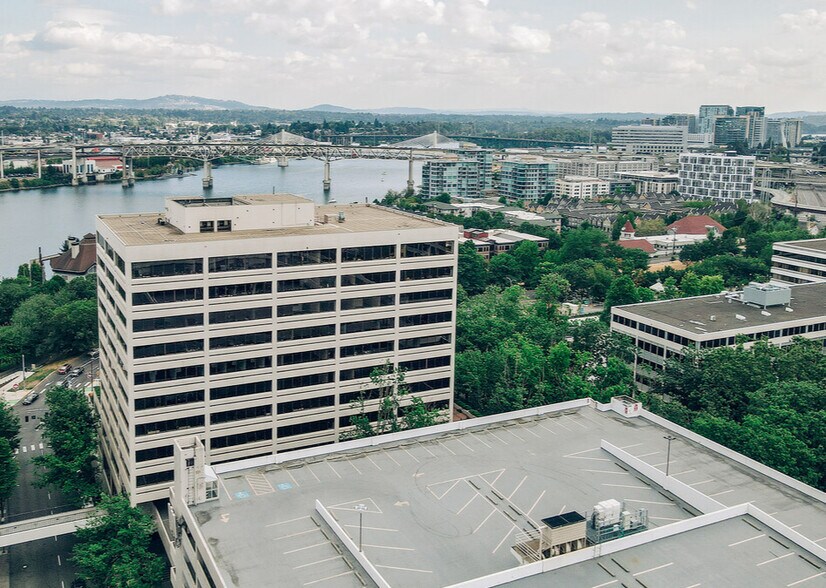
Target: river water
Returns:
[44, 218]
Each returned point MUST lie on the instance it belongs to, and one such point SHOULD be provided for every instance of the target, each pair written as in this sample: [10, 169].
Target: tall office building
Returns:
[655, 140]
[757, 123]
[254, 322]
[526, 178]
[784, 132]
[705, 119]
[680, 120]
[721, 176]
[731, 129]
[460, 178]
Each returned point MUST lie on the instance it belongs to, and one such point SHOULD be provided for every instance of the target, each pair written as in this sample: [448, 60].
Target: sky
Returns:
[542, 55]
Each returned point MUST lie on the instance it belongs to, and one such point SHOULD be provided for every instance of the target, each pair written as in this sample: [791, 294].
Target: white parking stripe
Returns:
[702, 482]
[806, 579]
[285, 522]
[316, 562]
[653, 569]
[721, 493]
[307, 547]
[485, 521]
[389, 547]
[467, 504]
[405, 569]
[537, 502]
[605, 584]
[347, 573]
[768, 561]
[746, 540]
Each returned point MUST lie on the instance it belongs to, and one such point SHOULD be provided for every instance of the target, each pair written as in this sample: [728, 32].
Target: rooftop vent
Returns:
[739, 317]
[713, 317]
[765, 295]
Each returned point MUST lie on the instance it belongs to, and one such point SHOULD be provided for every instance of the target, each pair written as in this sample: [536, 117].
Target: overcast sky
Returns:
[548, 55]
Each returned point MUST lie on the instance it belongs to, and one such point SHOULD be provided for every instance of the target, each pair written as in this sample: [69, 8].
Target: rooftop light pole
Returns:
[668, 438]
[361, 508]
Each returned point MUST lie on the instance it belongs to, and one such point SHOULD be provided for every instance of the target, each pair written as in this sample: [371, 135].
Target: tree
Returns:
[551, 290]
[583, 243]
[504, 270]
[32, 321]
[649, 227]
[527, 258]
[473, 269]
[112, 551]
[75, 327]
[9, 425]
[70, 426]
[622, 291]
[9, 467]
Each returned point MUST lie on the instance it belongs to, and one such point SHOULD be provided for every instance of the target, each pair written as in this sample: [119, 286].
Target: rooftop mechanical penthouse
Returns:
[255, 321]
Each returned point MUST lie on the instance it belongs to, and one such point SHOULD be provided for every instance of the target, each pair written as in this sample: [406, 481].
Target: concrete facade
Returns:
[651, 139]
[258, 338]
[719, 176]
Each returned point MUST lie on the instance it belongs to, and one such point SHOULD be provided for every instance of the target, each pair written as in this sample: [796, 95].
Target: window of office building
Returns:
[368, 325]
[171, 267]
[429, 341]
[240, 390]
[155, 478]
[306, 308]
[425, 296]
[240, 365]
[427, 249]
[207, 226]
[306, 356]
[240, 414]
[306, 404]
[306, 380]
[165, 400]
[301, 284]
[235, 263]
[240, 439]
[167, 296]
[154, 453]
[251, 289]
[312, 257]
[368, 302]
[360, 372]
[425, 319]
[359, 395]
[224, 226]
[306, 332]
[240, 340]
[167, 322]
[303, 428]
[424, 364]
[367, 348]
[169, 425]
[240, 314]
[368, 279]
[368, 253]
[347, 420]
[435, 384]
[169, 374]
[427, 273]
[170, 348]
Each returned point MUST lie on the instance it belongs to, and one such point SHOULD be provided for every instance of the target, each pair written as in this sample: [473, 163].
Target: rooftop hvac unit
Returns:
[712, 317]
[766, 294]
[739, 317]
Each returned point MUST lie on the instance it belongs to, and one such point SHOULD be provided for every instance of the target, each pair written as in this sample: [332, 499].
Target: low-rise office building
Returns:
[255, 321]
[581, 187]
[662, 329]
[720, 176]
[799, 262]
[495, 241]
[651, 139]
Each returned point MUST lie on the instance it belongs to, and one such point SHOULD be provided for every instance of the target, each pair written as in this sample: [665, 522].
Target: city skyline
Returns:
[463, 54]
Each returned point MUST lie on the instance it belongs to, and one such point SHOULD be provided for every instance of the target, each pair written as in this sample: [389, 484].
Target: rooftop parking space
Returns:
[441, 509]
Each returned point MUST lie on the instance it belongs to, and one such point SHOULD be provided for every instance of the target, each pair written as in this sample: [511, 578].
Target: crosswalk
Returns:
[26, 449]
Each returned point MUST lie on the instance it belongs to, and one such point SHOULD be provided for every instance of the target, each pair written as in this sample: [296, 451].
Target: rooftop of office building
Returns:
[445, 505]
[818, 245]
[258, 216]
[717, 313]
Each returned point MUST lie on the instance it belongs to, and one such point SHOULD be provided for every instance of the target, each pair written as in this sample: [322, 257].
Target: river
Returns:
[44, 218]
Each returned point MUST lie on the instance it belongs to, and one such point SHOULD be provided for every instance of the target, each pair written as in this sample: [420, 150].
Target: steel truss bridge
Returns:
[206, 153]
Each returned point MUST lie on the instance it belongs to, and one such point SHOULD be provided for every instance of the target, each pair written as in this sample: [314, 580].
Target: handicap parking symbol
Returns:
[284, 486]
[241, 495]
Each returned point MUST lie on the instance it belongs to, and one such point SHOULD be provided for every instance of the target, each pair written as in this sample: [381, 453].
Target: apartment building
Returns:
[757, 123]
[662, 329]
[459, 178]
[785, 132]
[604, 167]
[720, 176]
[731, 129]
[651, 139]
[526, 178]
[799, 262]
[255, 321]
[707, 114]
[584, 188]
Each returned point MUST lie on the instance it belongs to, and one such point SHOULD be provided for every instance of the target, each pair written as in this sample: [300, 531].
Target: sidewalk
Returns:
[10, 393]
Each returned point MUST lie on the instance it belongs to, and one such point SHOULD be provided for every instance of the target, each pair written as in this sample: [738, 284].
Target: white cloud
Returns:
[811, 19]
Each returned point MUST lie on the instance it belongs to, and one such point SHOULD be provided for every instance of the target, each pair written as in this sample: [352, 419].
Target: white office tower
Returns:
[651, 139]
[253, 322]
[720, 176]
[784, 132]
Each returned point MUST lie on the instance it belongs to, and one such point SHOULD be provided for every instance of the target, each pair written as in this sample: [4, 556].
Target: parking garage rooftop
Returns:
[441, 508]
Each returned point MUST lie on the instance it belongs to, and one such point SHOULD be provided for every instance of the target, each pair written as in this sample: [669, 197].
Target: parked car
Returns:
[31, 397]
[64, 369]
[76, 372]
[94, 353]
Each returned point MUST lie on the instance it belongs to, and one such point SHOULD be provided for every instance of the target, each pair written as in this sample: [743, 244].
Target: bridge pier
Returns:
[2, 167]
[75, 178]
[327, 182]
[206, 182]
[39, 165]
[283, 161]
[124, 179]
[410, 184]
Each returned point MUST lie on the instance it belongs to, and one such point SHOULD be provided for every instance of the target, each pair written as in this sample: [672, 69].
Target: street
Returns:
[44, 563]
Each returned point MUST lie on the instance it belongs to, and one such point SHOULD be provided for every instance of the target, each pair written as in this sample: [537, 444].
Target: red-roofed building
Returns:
[642, 244]
[696, 225]
[628, 231]
[79, 260]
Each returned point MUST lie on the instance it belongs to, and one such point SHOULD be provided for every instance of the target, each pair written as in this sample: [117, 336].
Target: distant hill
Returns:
[168, 102]
[330, 108]
[410, 110]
